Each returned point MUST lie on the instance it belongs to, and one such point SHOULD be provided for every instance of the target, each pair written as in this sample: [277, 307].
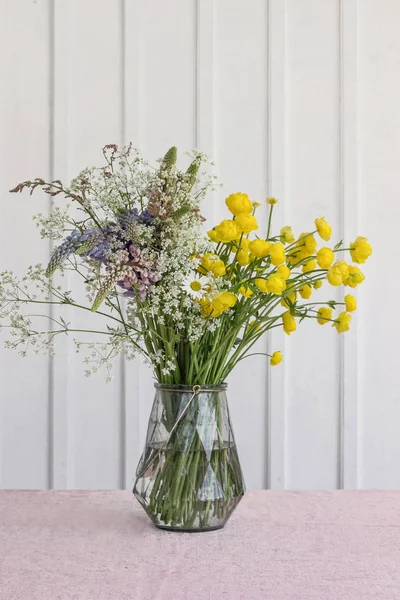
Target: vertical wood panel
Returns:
[379, 185]
[241, 144]
[24, 153]
[312, 185]
[348, 450]
[276, 187]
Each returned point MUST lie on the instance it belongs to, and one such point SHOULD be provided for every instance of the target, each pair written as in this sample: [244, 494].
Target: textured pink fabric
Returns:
[277, 545]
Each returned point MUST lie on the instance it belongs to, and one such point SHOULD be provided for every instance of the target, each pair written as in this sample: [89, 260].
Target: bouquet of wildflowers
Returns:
[193, 304]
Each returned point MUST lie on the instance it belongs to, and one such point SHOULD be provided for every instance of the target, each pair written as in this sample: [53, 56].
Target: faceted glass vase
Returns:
[189, 476]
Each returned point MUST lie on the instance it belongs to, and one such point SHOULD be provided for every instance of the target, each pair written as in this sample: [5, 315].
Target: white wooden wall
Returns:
[293, 98]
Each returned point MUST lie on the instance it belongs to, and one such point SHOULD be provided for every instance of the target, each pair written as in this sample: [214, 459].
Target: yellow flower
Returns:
[323, 228]
[295, 258]
[226, 231]
[283, 272]
[325, 258]
[342, 323]
[289, 322]
[245, 291]
[338, 273]
[206, 307]
[212, 234]
[256, 204]
[262, 285]
[272, 201]
[221, 302]
[287, 236]
[317, 284]
[305, 291]
[276, 285]
[213, 264]
[243, 258]
[308, 243]
[259, 248]
[356, 276]
[360, 250]
[239, 204]
[253, 326]
[276, 358]
[289, 297]
[309, 266]
[324, 314]
[246, 223]
[277, 254]
[351, 303]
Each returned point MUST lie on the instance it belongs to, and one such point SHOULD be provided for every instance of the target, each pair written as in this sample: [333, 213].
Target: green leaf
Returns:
[170, 157]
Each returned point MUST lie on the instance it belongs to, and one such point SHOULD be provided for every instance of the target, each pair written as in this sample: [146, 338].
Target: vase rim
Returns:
[204, 387]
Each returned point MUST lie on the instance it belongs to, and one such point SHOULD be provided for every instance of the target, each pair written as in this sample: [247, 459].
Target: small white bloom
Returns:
[197, 286]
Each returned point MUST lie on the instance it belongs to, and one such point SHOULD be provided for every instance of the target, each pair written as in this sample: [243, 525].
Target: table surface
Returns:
[277, 545]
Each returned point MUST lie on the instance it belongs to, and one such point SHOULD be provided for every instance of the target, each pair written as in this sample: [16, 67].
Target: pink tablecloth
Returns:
[278, 545]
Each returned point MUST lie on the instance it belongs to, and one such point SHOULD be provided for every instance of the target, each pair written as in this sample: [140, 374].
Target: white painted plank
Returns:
[277, 150]
[379, 187]
[348, 451]
[241, 144]
[24, 154]
[312, 188]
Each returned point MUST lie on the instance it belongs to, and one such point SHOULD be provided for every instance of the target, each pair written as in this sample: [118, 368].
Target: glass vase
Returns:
[189, 476]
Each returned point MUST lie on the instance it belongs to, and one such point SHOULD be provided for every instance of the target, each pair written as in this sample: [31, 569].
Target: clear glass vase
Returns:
[189, 476]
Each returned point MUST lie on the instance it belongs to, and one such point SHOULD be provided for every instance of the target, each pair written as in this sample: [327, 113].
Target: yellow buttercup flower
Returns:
[294, 259]
[289, 322]
[213, 264]
[206, 306]
[360, 250]
[317, 284]
[325, 258]
[226, 231]
[287, 235]
[276, 358]
[289, 297]
[239, 204]
[245, 291]
[324, 315]
[307, 243]
[222, 302]
[305, 291]
[276, 285]
[246, 223]
[243, 258]
[338, 273]
[323, 228]
[259, 248]
[309, 266]
[283, 272]
[212, 234]
[272, 201]
[342, 323]
[277, 254]
[356, 276]
[350, 302]
[262, 285]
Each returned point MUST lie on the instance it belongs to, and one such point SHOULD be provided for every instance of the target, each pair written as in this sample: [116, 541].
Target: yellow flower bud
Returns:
[245, 291]
[253, 326]
[212, 234]
[309, 266]
[317, 284]
[325, 258]
[323, 228]
[276, 285]
[356, 276]
[289, 322]
[324, 315]
[246, 223]
[360, 250]
[342, 323]
[239, 204]
[243, 258]
[287, 236]
[259, 248]
[338, 273]
[277, 254]
[308, 243]
[305, 291]
[276, 358]
[262, 285]
[272, 201]
[289, 299]
[350, 302]
[211, 263]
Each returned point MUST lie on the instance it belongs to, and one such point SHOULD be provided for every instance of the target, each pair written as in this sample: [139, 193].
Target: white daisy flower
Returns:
[198, 286]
